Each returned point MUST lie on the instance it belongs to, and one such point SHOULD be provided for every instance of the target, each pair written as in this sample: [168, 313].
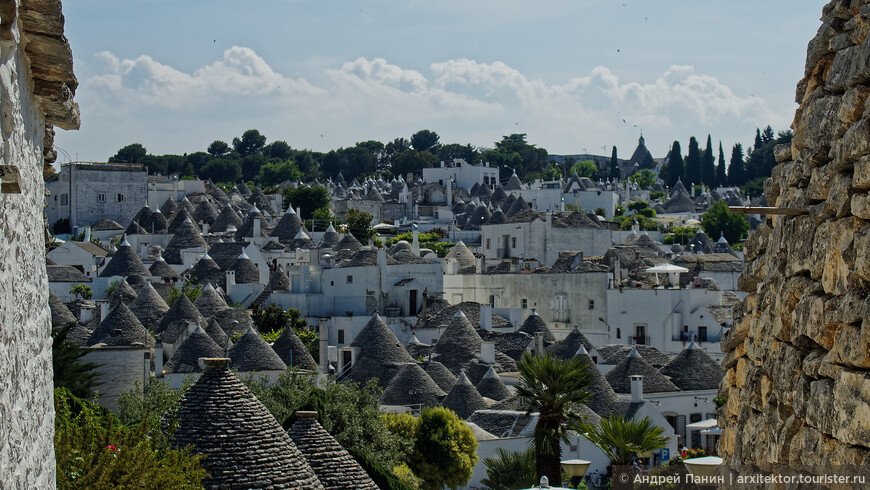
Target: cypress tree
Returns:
[736, 172]
[708, 165]
[614, 165]
[675, 165]
[693, 163]
[721, 177]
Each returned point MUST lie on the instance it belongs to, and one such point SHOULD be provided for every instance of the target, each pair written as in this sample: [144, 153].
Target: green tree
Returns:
[274, 173]
[359, 223]
[708, 164]
[718, 220]
[411, 161]
[585, 168]
[189, 289]
[81, 291]
[513, 151]
[624, 439]
[251, 165]
[721, 174]
[614, 165]
[736, 170]
[221, 170]
[510, 470]
[446, 153]
[251, 142]
[444, 449]
[693, 164]
[218, 148]
[552, 387]
[646, 178]
[307, 198]
[675, 169]
[70, 369]
[132, 153]
[152, 404]
[278, 150]
[92, 450]
[424, 140]
[681, 235]
[348, 411]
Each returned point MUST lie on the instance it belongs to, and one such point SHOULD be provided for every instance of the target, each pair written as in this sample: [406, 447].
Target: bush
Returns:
[93, 450]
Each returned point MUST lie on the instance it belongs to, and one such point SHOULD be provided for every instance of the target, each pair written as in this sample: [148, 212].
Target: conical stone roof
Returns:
[412, 386]
[292, 351]
[534, 324]
[124, 262]
[255, 453]
[463, 398]
[180, 217]
[186, 358]
[380, 353]
[334, 466]
[169, 207]
[288, 226]
[491, 386]
[246, 271]
[514, 183]
[161, 269]
[207, 271]
[149, 307]
[693, 369]
[120, 327]
[439, 374]
[604, 400]
[60, 314]
[209, 302]
[204, 213]
[181, 311]
[567, 348]
[252, 353]
[226, 218]
[467, 262]
[216, 332]
[349, 242]
[330, 238]
[653, 380]
[156, 223]
[186, 236]
[458, 345]
[123, 293]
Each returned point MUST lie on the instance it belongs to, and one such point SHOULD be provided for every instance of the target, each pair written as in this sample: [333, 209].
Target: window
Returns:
[350, 279]
[64, 199]
[340, 336]
[561, 308]
[514, 242]
[591, 304]
[492, 300]
[619, 333]
[120, 197]
[525, 303]
[101, 197]
[332, 283]
[702, 334]
[487, 243]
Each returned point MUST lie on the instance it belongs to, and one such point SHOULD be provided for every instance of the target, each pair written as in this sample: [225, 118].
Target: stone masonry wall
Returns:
[26, 399]
[798, 355]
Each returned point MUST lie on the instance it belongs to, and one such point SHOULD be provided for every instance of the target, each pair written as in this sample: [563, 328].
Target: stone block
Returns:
[851, 67]
[860, 206]
[840, 41]
[850, 347]
[818, 123]
[808, 320]
[838, 202]
[820, 183]
[835, 278]
[856, 141]
[851, 308]
[821, 401]
[851, 108]
[782, 153]
[851, 407]
[756, 243]
[861, 176]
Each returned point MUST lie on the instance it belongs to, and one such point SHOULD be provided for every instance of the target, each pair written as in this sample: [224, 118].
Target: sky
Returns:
[577, 76]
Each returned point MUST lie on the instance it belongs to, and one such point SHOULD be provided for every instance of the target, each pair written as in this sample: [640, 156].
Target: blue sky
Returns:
[575, 74]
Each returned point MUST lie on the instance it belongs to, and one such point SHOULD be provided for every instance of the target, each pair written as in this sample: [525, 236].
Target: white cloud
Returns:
[461, 99]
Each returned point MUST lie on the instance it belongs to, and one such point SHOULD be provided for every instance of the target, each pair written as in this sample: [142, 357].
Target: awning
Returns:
[704, 424]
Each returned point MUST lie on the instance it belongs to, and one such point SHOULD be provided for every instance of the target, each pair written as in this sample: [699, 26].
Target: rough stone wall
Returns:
[798, 355]
[26, 401]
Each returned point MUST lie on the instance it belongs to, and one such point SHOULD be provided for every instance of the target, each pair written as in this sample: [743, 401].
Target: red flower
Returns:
[113, 448]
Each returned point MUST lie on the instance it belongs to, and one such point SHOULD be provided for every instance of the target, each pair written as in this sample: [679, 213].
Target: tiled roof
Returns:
[60, 314]
[334, 466]
[92, 248]
[105, 224]
[65, 273]
[245, 446]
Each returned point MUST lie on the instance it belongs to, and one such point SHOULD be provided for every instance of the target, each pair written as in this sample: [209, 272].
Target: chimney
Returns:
[449, 194]
[86, 313]
[146, 366]
[324, 346]
[204, 227]
[104, 310]
[486, 317]
[158, 358]
[299, 211]
[87, 234]
[487, 353]
[636, 388]
[539, 342]
[256, 231]
[231, 279]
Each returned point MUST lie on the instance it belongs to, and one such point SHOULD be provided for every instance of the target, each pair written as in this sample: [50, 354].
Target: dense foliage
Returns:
[508, 470]
[93, 450]
[271, 320]
[718, 220]
[623, 439]
[444, 448]
[429, 239]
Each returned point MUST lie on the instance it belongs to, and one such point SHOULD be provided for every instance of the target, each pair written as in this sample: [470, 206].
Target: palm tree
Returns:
[623, 439]
[509, 470]
[552, 387]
